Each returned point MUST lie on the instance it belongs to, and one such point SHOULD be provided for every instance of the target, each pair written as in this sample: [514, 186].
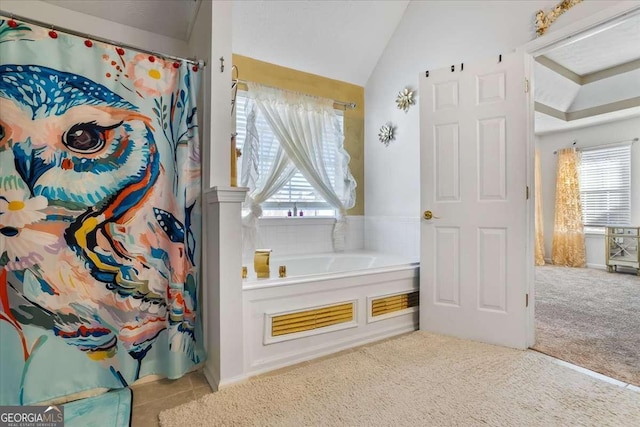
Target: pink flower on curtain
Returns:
[152, 75]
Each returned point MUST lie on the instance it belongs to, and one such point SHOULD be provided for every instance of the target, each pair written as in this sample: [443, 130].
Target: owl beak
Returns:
[29, 166]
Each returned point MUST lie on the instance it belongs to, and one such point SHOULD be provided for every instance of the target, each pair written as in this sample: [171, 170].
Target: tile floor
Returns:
[152, 398]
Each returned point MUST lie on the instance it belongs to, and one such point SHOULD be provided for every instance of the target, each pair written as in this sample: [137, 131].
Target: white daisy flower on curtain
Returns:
[22, 246]
[17, 209]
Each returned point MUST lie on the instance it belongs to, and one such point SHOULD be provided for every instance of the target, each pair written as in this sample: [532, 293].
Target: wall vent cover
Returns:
[308, 320]
[390, 304]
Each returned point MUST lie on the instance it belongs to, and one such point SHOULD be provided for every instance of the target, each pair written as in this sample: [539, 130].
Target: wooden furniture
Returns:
[622, 248]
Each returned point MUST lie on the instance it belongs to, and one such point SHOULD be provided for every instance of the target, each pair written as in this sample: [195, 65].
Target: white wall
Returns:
[433, 35]
[397, 235]
[586, 137]
[199, 46]
[55, 15]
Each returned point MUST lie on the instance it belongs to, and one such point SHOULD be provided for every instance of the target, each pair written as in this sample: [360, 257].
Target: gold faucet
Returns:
[261, 263]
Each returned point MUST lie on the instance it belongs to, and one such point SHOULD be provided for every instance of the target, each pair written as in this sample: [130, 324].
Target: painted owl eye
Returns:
[1, 132]
[86, 138]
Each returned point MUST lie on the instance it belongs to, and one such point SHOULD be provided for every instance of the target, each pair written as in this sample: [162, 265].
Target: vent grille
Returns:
[394, 303]
[311, 319]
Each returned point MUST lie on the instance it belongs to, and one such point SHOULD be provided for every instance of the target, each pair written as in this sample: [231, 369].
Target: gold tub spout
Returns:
[261, 263]
[282, 271]
[244, 272]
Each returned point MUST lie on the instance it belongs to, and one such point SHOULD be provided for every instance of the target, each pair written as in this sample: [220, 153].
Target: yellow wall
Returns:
[250, 69]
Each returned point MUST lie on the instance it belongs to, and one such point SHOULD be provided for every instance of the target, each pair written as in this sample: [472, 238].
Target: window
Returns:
[605, 186]
[297, 191]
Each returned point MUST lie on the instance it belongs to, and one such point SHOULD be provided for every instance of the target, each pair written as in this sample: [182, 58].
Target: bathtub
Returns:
[307, 267]
[346, 286]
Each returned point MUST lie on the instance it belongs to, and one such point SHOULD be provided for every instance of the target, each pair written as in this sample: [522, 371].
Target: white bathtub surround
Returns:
[307, 267]
[355, 233]
[393, 235]
[350, 277]
[222, 287]
[305, 235]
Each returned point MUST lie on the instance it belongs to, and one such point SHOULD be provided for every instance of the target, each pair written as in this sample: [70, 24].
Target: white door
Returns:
[473, 181]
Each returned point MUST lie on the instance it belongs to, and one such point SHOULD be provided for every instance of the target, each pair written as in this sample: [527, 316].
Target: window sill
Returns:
[296, 221]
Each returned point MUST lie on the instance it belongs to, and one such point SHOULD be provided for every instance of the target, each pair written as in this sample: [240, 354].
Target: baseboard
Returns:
[598, 266]
[233, 381]
[282, 361]
[217, 384]
[589, 264]
[212, 378]
[155, 377]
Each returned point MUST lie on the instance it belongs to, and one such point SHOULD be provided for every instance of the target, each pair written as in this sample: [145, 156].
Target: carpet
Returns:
[419, 379]
[590, 318]
[111, 409]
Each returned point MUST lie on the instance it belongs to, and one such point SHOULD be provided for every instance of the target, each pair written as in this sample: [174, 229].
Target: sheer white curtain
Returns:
[263, 179]
[299, 122]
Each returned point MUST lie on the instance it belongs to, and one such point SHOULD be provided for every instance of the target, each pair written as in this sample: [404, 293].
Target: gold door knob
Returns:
[428, 215]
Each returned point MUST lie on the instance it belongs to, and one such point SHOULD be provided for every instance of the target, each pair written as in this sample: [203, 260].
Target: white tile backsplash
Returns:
[299, 236]
[393, 235]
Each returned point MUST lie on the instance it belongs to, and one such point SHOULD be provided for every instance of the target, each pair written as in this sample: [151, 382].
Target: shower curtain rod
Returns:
[595, 147]
[101, 39]
[346, 105]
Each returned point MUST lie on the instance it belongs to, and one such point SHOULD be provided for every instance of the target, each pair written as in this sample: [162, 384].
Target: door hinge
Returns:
[526, 300]
[527, 192]
[526, 85]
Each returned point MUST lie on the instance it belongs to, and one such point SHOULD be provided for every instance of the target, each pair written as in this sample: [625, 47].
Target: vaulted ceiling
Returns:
[342, 39]
[592, 79]
[172, 18]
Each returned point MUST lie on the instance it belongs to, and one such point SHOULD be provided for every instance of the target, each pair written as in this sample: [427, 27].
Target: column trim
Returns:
[225, 195]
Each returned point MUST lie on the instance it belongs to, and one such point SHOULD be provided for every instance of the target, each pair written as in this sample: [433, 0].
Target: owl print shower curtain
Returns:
[99, 215]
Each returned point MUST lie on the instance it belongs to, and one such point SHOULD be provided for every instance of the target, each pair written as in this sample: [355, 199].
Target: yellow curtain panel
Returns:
[539, 217]
[568, 247]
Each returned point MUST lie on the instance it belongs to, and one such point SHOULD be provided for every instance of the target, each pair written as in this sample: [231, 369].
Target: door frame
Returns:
[562, 37]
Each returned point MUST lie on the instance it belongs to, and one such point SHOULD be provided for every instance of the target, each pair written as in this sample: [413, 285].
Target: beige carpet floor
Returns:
[590, 318]
[419, 379]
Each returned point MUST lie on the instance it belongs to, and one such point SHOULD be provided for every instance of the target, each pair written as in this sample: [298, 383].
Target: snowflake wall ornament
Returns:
[386, 134]
[405, 99]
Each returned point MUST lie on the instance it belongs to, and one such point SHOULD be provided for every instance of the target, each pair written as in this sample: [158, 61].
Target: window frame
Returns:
[280, 208]
[621, 195]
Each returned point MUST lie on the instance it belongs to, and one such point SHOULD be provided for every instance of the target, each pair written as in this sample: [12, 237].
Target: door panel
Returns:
[445, 95]
[492, 179]
[447, 170]
[447, 266]
[492, 271]
[473, 179]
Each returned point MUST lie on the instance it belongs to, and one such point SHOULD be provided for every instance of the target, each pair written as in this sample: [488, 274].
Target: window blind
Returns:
[297, 190]
[605, 186]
